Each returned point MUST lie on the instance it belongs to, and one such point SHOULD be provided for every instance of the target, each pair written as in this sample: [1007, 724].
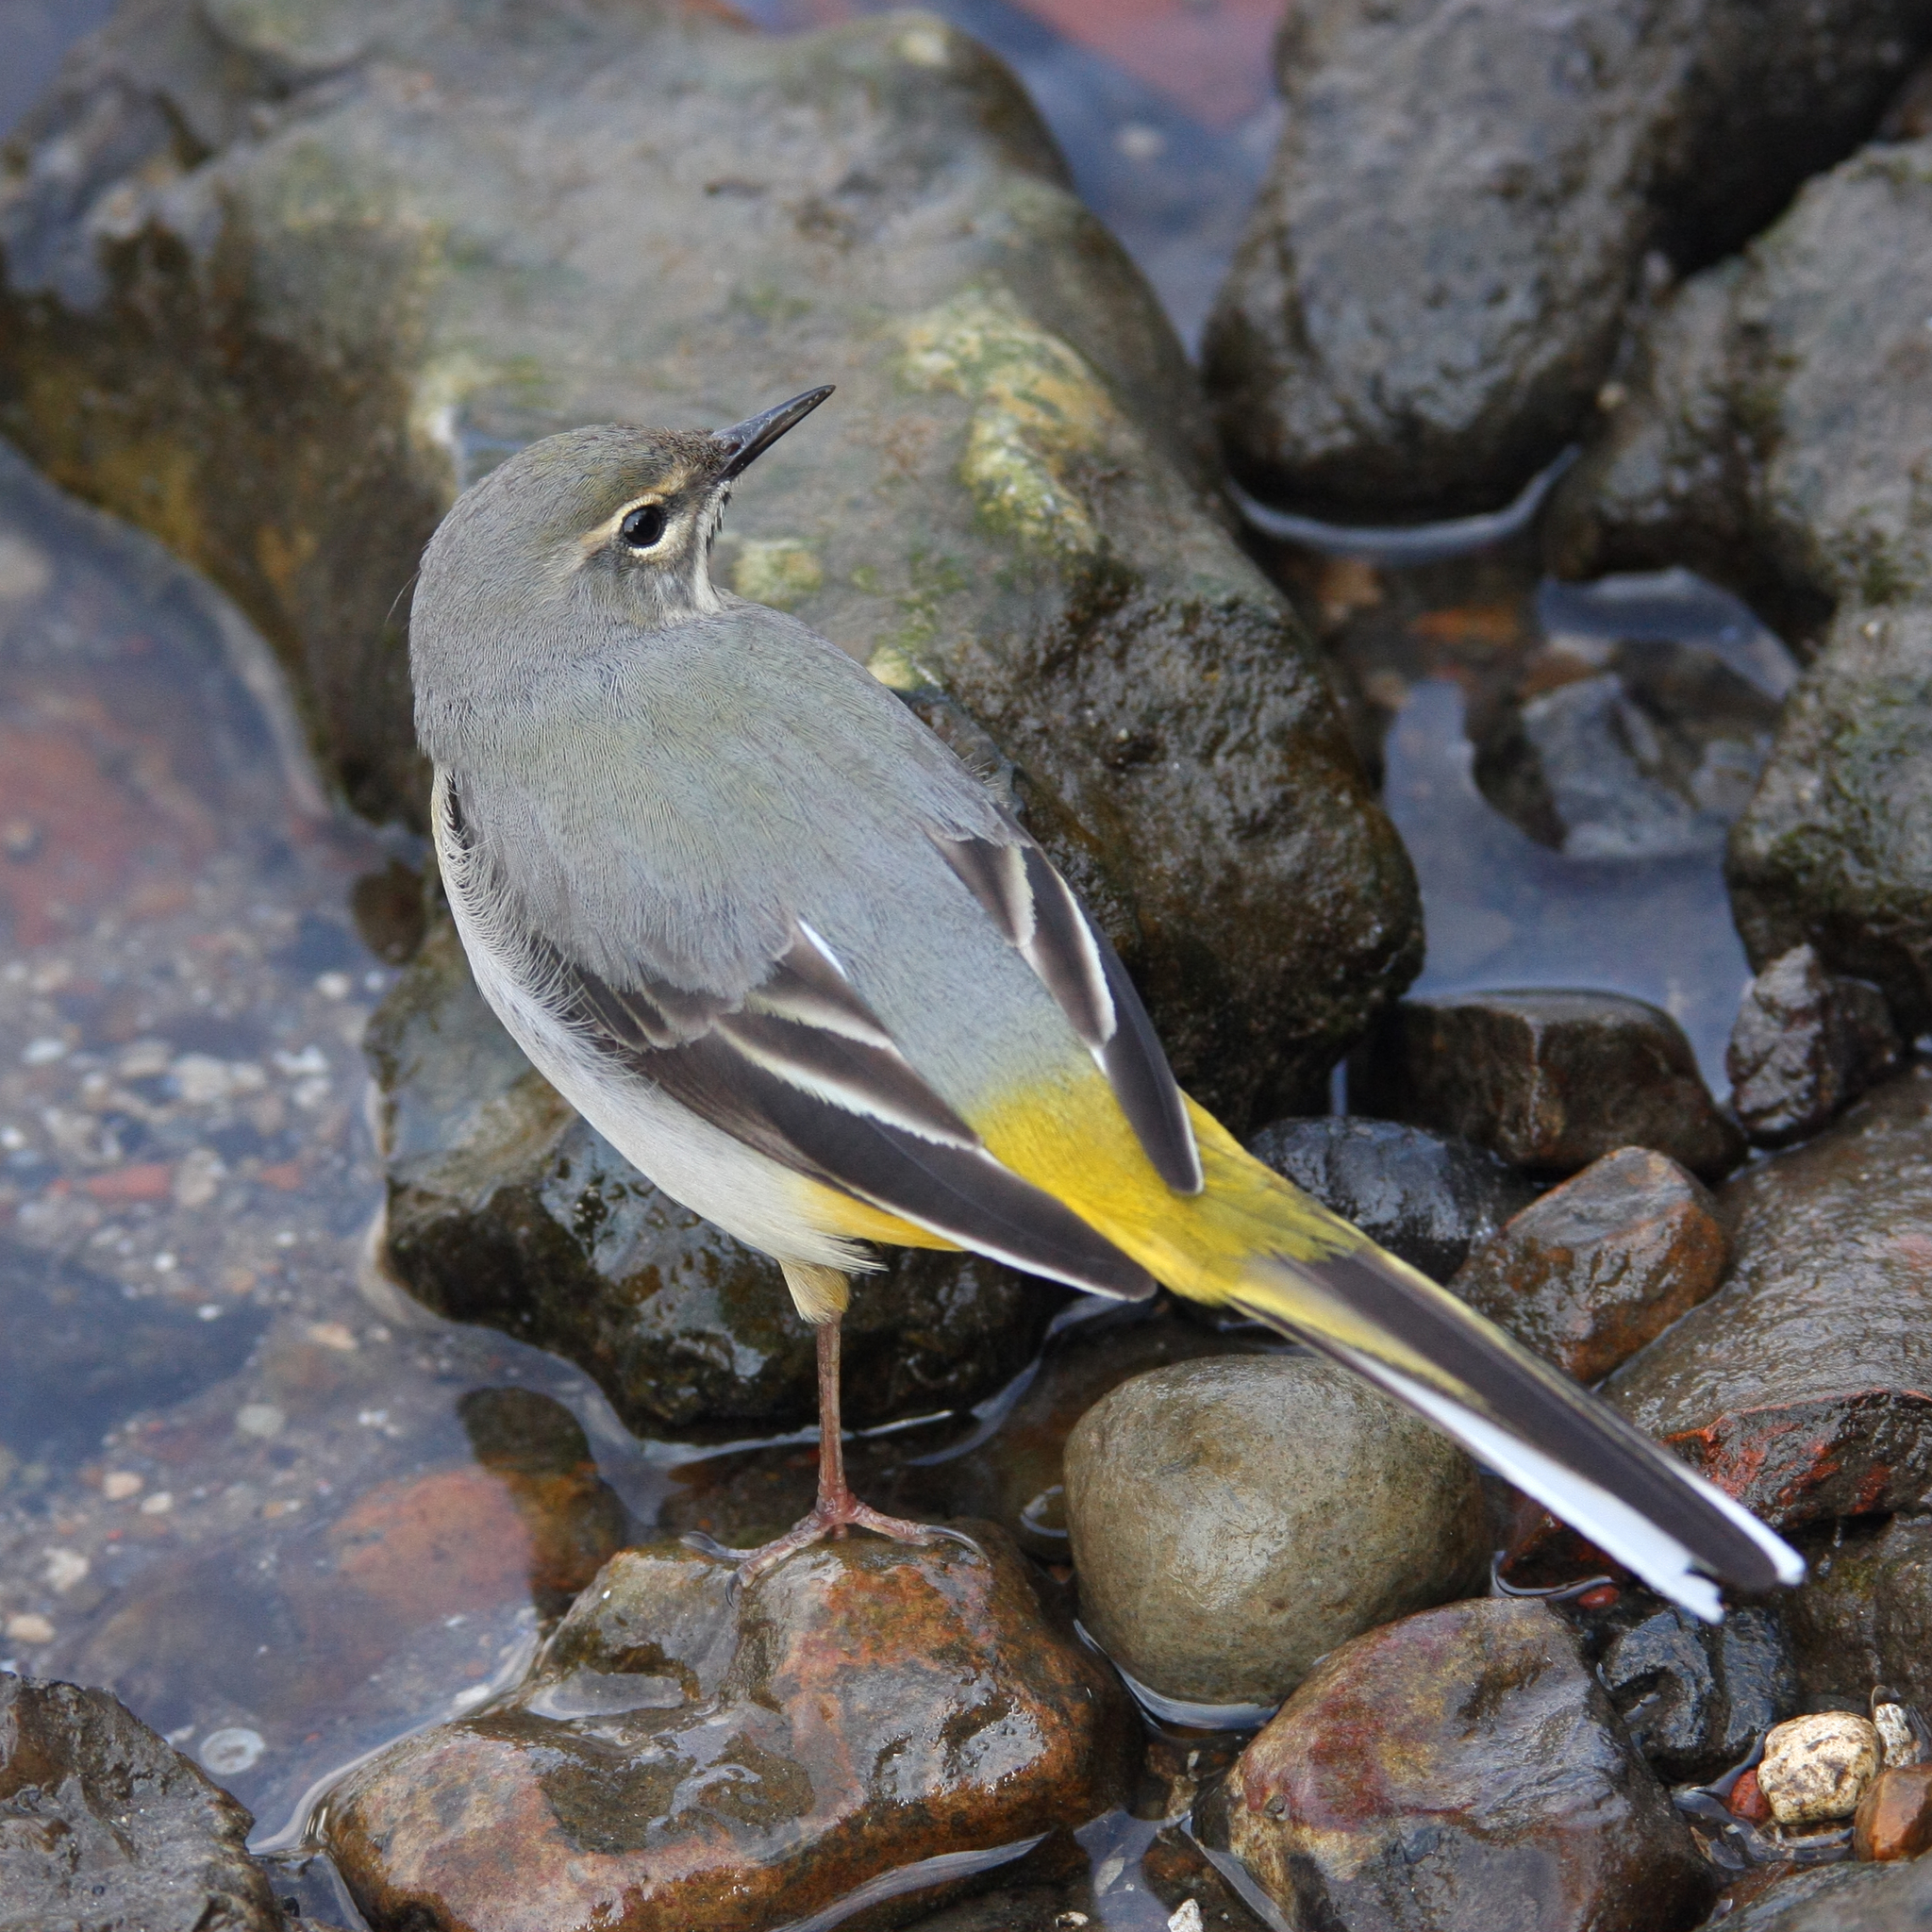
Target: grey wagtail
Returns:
[778, 944]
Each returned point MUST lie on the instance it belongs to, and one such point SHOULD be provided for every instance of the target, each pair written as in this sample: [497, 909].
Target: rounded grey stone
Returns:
[1235, 1519]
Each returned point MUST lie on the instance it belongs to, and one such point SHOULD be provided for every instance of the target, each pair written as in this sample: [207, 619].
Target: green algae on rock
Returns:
[687, 1753]
[505, 1208]
[280, 281]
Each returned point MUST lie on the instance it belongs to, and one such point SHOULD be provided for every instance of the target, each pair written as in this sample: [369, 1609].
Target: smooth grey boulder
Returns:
[1804, 1385]
[1427, 1197]
[1773, 436]
[104, 1827]
[506, 1208]
[1235, 1519]
[279, 281]
[1432, 284]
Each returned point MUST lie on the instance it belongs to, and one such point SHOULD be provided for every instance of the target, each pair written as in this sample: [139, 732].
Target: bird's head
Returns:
[613, 520]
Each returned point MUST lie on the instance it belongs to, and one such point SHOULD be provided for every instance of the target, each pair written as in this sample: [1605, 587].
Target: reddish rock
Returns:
[1601, 1265]
[1894, 1818]
[1548, 1080]
[1747, 1800]
[1804, 1386]
[691, 1754]
[1462, 1769]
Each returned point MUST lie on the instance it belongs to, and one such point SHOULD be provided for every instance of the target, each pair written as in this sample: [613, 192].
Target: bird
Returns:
[803, 968]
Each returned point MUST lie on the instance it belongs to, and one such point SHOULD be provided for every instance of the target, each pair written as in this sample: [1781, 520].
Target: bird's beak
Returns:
[744, 443]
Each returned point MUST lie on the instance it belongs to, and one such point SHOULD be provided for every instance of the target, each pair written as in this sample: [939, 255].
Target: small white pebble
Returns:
[285, 1237]
[1815, 1768]
[1140, 140]
[30, 1627]
[334, 985]
[119, 1484]
[209, 1311]
[1108, 1874]
[231, 1750]
[372, 1418]
[923, 47]
[164, 1263]
[261, 1419]
[157, 1504]
[65, 1568]
[12, 1139]
[335, 1335]
[198, 1178]
[144, 1059]
[312, 1060]
[1895, 1734]
[44, 1050]
[1186, 1917]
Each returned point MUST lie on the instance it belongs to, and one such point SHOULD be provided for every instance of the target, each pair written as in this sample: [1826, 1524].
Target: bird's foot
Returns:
[829, 1516]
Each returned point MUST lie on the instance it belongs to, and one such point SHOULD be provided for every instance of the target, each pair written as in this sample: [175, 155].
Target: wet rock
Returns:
[96, 1356]
[687, 1752]
[316, 266]
[1234, 1519]
[1643, 750]
[1800, 1386]
[1548, 1080]
[1895, 1817]
[1806, 1045]
[105, 1826]
[1843, 1898]
[1427, 1197]
[1696, 1696]
[1462, 1769]
[1431, 285]
[1601, 1265]
[1774, 420]
[505, 1208]
[1815, 1768]
[1863, 1615]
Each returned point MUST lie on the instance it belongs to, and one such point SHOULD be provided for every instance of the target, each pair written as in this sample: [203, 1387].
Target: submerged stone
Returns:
[281, 282]
[1463, 1771]
[1549, 1080]
[1426, 1197]
[687, 1753]
[104, 1826]
[505, 1208]
[1234, 1520]
[1602, 1264]
[1801, 1387]
[1433, 280]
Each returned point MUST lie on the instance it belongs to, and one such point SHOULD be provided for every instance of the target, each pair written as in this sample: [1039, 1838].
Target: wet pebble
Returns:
[1842, 1898]
[688, 1752]
[106, 1827]
[1549, 1080]
[1806, 1045]
[1863, 1615]
[1233, 1520]
[1426, 1197]
[1815, 1768]
[1463, 1771]
[1602, 1264]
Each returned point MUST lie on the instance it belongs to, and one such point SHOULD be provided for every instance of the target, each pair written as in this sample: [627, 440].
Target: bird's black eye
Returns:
[643, 526]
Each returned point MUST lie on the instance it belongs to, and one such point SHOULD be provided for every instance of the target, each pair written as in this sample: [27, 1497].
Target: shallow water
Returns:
[261, 1495]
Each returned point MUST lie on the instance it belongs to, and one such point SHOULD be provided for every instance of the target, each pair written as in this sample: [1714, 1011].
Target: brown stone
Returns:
[691, 1754]
[1547, 1079]
[1806, 1045]
[1462, 1769]
[1601, 1265]
[1895, 1817]
[1804, 1386]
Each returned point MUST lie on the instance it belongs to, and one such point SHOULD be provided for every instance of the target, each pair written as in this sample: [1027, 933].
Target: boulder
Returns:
[1433, 280]
[1462, 1769]
[1806, 1045]
[1427, 1197]
[1602, 1264]
[1862, 1617]
[1234, 1520]
[1843, 1898]
[505, 1208]
[1550, 1080]
[1777, 414]
[104, 1826]
[279, 282]
[1696, 1696]
[1801, 1387]
[867, 1718]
